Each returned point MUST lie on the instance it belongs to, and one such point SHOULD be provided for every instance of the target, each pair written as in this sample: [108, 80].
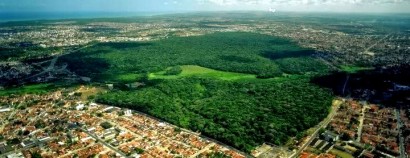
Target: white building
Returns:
[80, 107]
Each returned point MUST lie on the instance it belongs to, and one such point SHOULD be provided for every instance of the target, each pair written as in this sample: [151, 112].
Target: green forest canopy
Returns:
[243, 113]
[251, 53]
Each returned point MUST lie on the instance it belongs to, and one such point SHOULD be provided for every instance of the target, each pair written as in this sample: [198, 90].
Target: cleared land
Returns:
[341, 153]
[198, 71]
[354, 69]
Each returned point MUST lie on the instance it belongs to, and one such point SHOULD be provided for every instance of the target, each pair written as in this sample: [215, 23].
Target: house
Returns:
[114, 142]
[109, 109]
[80, 107]
[4, 109]
[110, 86]
[91, 130]
[86, 139]
[135, 85]
[109, 134]
[330, 136]
[128, 113]
[28, 143]
[44, 139]
[4, 148]
[93, 104]
[15, 155]
[135, 155]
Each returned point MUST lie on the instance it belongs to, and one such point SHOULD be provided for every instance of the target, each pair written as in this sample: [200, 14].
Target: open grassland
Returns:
[28, 89]
[341, 154]
[198, 71]
[354, 69]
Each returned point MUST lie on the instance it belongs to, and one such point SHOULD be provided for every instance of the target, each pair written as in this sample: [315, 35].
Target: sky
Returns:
[390, 6]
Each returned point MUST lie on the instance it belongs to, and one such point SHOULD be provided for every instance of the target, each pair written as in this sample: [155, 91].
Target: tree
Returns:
[139, 150]
[106, 125]
[175, 70]
[36, 155]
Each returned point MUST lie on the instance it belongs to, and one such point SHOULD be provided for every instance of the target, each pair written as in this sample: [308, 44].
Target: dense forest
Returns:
[242, 114]
[279, 103]
[262, 55]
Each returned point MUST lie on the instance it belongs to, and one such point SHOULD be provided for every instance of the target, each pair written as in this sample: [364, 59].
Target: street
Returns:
[335, 107]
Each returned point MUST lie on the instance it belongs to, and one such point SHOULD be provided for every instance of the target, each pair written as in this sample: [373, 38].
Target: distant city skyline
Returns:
[372, 6]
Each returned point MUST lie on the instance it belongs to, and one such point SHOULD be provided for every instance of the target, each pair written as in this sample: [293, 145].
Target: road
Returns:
[51, 67]
[344, 85]
[361, 120]
[370, 47]
[104, 143]
[75, 151]
[6, 120]
[324, 123]
[401, 138]
[203, 150]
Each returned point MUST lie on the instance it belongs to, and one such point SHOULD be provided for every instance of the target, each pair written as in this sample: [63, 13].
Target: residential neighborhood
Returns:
[361, 129]
[60, 124]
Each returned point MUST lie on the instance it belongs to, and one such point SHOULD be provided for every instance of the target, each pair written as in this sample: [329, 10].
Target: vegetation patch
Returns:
[242, 114]
[354, 69]
[212, 84]
[341, 154]
[29, 89]
[198, 71]
[250, 53]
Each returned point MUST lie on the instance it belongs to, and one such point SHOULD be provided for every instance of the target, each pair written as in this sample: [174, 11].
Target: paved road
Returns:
[203, 150]
[51, 67]
[322, 125]
[104, 143]
[361, 120]
[75, 151]
[6, 120]
[370, 47]
[345, 84]
[401, 138]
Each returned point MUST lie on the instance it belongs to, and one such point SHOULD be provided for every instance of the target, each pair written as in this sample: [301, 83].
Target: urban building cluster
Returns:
[60, 124]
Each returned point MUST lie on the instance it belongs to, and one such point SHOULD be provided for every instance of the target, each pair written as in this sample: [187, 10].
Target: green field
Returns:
[198, 71]
[28, 89]
[354, 69]
[341, 154]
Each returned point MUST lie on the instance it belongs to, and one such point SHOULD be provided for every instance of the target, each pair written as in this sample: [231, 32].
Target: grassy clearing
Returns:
[198, 71]
[87, 91]
[354, 69]
[31, 89]
[341, 154]
[128, 77]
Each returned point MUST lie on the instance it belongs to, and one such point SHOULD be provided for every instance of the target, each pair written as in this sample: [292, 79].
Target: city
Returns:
[205, 79]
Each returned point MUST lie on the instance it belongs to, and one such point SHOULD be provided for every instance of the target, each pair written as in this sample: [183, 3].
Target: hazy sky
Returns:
[205, 5]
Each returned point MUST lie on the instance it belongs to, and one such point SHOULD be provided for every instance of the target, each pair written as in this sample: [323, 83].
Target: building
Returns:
[80, 107]
[330, 136]
[4, 109]
[28, 143]
[16, 155]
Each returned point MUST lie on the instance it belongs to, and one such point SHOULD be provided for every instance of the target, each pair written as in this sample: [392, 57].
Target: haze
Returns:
[374, 6]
